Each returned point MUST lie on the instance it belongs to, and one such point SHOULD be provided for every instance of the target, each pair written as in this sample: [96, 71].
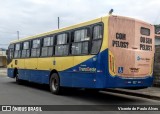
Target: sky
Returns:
[31, 17]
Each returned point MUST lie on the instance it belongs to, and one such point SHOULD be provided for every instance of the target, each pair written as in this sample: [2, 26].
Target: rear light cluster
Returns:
[112, 63]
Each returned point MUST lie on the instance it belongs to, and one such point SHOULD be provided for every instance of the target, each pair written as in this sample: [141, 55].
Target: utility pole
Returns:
[18, 35]
[58, 22]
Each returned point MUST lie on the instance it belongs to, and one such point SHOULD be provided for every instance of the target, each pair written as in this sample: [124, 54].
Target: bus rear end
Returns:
[131, 52]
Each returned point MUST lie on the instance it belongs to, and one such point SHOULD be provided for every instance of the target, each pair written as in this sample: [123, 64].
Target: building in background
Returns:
[157, 34]
[156, 69]
[3, 59]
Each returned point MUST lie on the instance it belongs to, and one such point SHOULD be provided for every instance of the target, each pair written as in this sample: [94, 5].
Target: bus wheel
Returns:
[55, 84]
[18, 81]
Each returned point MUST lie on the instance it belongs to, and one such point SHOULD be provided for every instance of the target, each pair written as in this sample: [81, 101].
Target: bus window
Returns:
[145, 31]
[25, 51]
[62, 38]
[85, 46]
[80, 42]
[81, 35]
[97, 39]
[62, 46]
[11, 51]
[76, 48]
[17, 51]
[35, 51]
[47, 49]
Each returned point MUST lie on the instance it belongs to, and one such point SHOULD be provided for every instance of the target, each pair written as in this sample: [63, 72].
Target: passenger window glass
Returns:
[36, 43]
[81, 42]
[50, 51]
[25, 51]
[62, 47]
[62, 39]
[35, 52]
[76, 48]
[26, 45]
[97, 32]
[47, 49]
[17, 47]
[81, 35]
[17, 52]
[48, 41]
[61, 50]
[97, 39]
[28, 53]
[85, 48]
[11, 51]
[44, 51]
[95, 46]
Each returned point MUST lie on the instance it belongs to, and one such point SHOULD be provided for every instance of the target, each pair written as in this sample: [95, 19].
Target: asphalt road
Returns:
[34, 94]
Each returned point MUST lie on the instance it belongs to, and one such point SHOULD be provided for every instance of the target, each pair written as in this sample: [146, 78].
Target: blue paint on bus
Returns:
[92, 73]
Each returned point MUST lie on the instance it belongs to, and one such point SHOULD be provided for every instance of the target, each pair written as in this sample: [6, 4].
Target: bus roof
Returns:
[60, 30]
[73, 27]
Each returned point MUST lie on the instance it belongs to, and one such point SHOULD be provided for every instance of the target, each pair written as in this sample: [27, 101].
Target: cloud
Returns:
[35, 16]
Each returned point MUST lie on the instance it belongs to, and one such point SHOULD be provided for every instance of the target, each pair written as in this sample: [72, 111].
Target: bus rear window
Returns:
[145, 31]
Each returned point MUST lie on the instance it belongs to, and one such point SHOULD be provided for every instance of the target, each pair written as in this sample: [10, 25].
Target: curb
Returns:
[2, 74]
[132, 93]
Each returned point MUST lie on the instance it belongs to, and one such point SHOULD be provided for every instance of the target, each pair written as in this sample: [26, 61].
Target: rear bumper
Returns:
[108, 81]
[118, 82]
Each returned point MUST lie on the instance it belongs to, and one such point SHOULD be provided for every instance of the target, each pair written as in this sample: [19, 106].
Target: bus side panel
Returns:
[89, 71]
[84, 73]
[102, 69]
[29, 72]
[10, 72]
[20, 64]
[62, 63]
[65, 78]
[22, 74]
[87, 74]
[30, 75]
[84, 80]
[39, 76]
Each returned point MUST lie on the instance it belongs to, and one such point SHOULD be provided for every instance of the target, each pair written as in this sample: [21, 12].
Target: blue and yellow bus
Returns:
[107, 52]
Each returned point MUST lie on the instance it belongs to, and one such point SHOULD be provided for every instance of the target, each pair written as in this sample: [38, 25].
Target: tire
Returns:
[54, 84]
[18, 81]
